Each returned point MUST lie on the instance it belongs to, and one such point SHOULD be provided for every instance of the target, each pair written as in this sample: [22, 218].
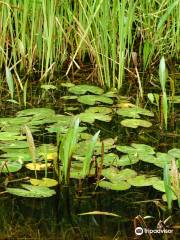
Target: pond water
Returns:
[106, 213]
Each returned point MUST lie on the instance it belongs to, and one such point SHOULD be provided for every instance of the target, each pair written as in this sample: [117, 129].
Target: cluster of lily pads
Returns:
[115, 174]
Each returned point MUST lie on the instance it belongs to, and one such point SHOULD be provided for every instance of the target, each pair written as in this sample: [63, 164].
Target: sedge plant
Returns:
[163, 74]
[67, 147]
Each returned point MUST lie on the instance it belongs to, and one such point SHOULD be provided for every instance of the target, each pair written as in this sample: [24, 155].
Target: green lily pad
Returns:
[14, 121]
[46, 182]
[69, 97]
[93, 99]
[142, 181]
[31, 191]
[134, 112]
[8, 166]
[10, 136]
[91, 117]
[13, 145]
[48, 87]
[134, 123]
[22, 156]
[162, 159]
[143, 148]
[82, 89]
[110, 159]
[120, 186]
[36, 111]
[100, 109]
[175, 152]
[149, 158]
[128, 159]
[67, 84]
[159, 185]
[138, 150]
[114, 175]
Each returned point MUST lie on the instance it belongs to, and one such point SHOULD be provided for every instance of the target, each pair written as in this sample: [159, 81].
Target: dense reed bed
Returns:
[44, 36]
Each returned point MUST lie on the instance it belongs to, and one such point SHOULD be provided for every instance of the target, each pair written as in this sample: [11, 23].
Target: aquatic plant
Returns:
[164, 100]
[45, 35]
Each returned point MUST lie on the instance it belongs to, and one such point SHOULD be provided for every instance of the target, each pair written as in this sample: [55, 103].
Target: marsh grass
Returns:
[43, 35]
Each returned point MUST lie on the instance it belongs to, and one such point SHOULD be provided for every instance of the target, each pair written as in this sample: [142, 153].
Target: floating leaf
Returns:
[48, 87]
[159, 185]
[23, 155]
[126, 160]
[91, 117]
[82, 89]
[114, 175]
[134, 112]
[110, 159]
[142, 181]
[37, 166]
[134, 123]
[9, 136]
[120, 186]
[31, 191]
[175, 152]
[10, 166]
[100, 109]
[69, 97]
[13, 145]
[93, 99]
[36, 111]
[138, 150]
[67, 84]
[46, 182]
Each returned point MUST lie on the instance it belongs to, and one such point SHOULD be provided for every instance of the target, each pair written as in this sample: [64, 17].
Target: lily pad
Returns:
[14, 145]
[9, 136]
[134, 123]
[10, 166]
[134, 112]
[175, 152]
[91, 117]
[31, 191]
[138, 150]
[82, 89]
[48, 87]
[159, 185]
[100, 109]
[37, 166]
[36, 111]
[110, 159]
[114, 175]
[69, 97]
[93, 99]
[46, 182]
[21, 156]
[142, 181]
[67, 84]
[126, 160]
[120, 186]
[163, 158]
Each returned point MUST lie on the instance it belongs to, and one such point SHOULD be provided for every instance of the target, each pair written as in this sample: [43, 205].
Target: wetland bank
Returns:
[90, 121]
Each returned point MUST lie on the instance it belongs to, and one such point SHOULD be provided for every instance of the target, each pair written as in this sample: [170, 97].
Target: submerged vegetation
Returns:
[94, 94]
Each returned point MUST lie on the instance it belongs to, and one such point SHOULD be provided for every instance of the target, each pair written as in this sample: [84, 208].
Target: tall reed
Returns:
[42, 35]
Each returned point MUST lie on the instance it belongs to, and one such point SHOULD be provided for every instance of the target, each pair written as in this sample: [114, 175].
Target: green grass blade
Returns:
[167, 186]
[87, 160]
